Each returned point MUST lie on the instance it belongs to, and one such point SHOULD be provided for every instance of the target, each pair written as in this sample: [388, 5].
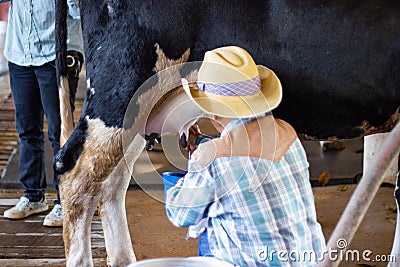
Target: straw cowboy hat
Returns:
[231, 85]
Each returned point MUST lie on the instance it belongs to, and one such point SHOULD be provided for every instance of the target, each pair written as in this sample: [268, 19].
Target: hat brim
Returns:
[267, 99]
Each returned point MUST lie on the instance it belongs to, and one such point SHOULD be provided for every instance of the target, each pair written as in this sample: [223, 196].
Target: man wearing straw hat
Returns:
[250, 186]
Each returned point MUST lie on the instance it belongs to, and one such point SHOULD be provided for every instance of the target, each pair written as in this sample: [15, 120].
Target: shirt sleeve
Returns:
[187, 202]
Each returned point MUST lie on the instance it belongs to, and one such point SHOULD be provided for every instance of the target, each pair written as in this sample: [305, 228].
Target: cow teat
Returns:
[151, 140]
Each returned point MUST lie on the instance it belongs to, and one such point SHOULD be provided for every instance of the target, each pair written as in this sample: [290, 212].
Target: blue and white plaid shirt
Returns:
[30, 39]
[249, 227]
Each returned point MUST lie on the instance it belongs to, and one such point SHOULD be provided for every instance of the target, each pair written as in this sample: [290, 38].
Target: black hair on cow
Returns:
[61, 39]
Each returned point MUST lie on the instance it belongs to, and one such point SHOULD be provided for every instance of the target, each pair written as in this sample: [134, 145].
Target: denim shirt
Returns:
[30, 39]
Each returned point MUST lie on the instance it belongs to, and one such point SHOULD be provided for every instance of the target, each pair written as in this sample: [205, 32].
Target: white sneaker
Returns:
[24, 208]
[54, 218]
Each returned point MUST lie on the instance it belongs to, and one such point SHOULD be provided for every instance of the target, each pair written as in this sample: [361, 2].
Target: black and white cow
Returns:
[338, 61]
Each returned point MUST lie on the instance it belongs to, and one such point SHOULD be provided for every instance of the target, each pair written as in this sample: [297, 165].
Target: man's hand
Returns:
[189, 143]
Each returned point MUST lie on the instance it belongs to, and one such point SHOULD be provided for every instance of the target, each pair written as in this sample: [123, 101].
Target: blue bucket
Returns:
[170, 179]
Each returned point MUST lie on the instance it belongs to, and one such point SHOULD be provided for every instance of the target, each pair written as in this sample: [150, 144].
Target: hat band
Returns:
[243, 88]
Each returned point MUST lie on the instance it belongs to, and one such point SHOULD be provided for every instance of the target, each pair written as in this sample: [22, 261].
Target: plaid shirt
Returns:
[30, 39]
[247, 223]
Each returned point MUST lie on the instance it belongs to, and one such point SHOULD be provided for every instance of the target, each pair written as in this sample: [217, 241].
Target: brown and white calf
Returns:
[338, 63]
[105, 166]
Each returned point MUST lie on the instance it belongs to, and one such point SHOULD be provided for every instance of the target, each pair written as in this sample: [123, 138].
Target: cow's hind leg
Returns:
[80, 188]
[79, 203]
[113, 217]
[112, 206]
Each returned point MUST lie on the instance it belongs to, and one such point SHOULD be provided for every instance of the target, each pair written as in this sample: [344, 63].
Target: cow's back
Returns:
[337, 60]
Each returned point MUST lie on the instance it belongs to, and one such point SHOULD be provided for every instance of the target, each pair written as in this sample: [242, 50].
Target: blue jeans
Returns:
[35, 94]
[204, 246]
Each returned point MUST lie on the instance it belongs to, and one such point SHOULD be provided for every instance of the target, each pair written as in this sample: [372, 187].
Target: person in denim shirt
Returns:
[30, 51]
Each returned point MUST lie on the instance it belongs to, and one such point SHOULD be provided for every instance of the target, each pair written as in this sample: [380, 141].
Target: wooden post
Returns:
[372, 144]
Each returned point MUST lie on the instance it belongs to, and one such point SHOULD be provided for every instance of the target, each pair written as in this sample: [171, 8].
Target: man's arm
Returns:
[187, 202]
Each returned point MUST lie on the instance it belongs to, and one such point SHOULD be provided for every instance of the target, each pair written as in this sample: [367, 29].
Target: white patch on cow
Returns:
[100, 133]
[92, 90]
[59, 165]
[110, 9]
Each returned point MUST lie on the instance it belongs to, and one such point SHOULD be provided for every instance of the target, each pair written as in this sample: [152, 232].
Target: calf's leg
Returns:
[78, 210]
[80, 189]
[112, 206]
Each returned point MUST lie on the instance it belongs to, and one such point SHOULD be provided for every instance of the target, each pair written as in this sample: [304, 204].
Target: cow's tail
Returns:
[61, 66]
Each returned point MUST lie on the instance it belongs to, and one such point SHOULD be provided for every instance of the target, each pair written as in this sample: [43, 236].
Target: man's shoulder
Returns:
[266, 138]
[284, 125]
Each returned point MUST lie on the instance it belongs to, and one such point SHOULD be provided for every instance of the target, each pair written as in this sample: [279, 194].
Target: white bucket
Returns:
[182, 262]
[372, 143]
